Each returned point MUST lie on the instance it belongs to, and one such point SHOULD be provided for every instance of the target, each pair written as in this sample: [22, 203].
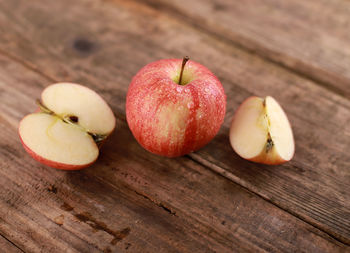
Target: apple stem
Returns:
[184, 60]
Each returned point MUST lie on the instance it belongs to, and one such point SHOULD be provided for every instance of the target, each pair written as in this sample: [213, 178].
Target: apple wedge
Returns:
[67, 131]
[260, 132]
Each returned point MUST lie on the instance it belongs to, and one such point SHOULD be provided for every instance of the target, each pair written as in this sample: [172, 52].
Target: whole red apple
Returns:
[174, 106]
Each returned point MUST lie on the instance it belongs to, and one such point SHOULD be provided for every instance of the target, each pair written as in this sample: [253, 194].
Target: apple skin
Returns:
[270, 158]
[170, 119]
[50, 163]
[57, 165]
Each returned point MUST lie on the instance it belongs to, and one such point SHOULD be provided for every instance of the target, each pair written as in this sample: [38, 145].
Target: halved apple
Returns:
[260, 132]
[67, 131]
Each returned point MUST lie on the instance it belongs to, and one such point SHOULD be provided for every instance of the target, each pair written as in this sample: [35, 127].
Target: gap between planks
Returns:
[194, 157]
[226, 174]
[172, 12]
[13, 244]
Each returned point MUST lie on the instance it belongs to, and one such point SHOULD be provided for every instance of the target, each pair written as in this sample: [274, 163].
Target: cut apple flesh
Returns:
[88, 108]
[279, 129]
[249, 129]
[72, 122]
[261, 132]
[65, 145]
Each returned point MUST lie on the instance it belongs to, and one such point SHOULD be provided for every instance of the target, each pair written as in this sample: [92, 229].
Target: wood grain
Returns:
[103, 44]
[131, 200]
[7, 246]
[307, 37]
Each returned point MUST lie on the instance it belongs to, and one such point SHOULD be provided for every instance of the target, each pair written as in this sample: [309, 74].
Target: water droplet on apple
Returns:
[187, 90]
[206, 90]
[190, 105]
[178, 89]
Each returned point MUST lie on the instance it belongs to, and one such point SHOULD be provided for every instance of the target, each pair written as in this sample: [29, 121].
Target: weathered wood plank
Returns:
[122, 37]
[308, 37]
[7, 246]
[130, 200]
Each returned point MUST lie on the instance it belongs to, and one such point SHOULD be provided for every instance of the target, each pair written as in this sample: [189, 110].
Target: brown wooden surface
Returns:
[308, 37]
[7, 246]
[208, 201]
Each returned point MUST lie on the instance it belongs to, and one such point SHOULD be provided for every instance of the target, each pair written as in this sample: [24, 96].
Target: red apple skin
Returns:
[50, 163]
[169, 119]
[53, 164]
[57, 165]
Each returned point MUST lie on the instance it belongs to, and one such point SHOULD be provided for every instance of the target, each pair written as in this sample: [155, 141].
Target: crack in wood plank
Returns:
[87, 218]
[157, 203]
[154, 203]
[12, 243]
[226, 174]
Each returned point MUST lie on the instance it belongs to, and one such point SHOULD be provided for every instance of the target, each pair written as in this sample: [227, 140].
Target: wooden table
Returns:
[208, 201]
